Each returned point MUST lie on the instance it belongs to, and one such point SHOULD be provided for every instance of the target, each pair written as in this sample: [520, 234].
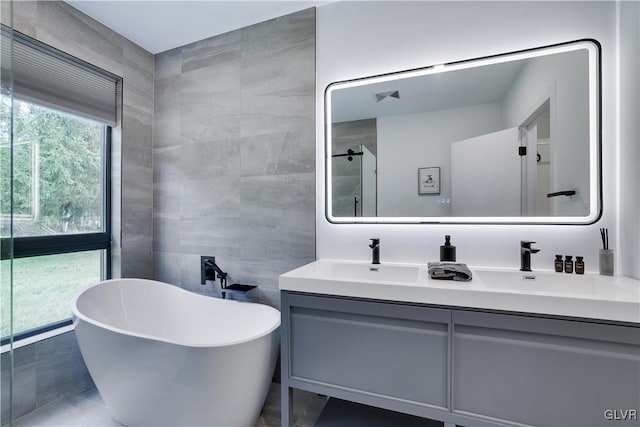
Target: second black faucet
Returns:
[525, 254]
[375, 251]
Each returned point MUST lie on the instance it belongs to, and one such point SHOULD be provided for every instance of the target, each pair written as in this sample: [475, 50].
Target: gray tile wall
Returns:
[234, 155]
[43, 372]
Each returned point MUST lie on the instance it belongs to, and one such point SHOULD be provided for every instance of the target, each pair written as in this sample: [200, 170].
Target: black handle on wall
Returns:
[562, 193]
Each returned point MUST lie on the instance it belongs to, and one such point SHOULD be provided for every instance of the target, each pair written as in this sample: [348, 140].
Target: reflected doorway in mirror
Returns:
[429, 180]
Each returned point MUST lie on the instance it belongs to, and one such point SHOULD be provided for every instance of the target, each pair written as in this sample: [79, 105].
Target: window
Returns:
[55, 199]
[58, 180]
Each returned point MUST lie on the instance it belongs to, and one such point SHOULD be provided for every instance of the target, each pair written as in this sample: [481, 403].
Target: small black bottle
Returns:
[568, 264]
[579, 265]
[447, 251]
[558, 264]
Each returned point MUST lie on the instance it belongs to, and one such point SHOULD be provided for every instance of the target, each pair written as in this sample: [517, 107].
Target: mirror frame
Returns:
[595, 136]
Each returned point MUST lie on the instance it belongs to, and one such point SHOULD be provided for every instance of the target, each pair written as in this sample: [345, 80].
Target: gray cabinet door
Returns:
[544, 372]
[394, 350]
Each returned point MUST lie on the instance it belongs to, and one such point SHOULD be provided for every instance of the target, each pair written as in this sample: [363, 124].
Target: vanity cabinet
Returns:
[461, 366]
[542, 371]
[370, 347]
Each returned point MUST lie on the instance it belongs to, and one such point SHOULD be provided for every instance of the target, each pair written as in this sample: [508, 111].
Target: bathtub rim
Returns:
[77, 315]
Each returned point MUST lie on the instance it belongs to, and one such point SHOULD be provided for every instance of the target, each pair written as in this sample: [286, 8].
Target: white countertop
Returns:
[590, 296]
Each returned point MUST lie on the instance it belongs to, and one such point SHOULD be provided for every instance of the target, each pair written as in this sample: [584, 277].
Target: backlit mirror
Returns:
[511, 138]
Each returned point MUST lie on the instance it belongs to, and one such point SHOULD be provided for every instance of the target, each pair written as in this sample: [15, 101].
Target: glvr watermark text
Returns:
[621, 414]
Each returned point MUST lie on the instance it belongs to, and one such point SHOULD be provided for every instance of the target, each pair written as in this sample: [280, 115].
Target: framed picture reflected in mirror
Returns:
[429, 180]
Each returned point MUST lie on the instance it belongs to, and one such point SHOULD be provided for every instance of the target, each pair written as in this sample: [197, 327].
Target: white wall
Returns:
[411, 141]
[356, 39]
[629, 160]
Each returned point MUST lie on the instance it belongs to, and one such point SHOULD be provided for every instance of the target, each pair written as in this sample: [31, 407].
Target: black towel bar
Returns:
[562, 193]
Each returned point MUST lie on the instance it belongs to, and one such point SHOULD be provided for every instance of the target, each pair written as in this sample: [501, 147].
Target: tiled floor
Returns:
[88, 410]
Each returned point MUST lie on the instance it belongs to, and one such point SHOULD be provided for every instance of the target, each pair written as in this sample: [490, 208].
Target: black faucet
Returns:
[375, 247]
[209, 268]
[525, 254]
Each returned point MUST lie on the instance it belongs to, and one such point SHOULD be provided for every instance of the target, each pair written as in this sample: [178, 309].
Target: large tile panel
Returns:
[279, 33]
[137, 248]
[137, 137]
[279, 153]
[137, 191]
[65, 28]
[212, 51]
[279, 232]
[168, 64]
[209, 160]
[166, 267]
[279, 70]
[166, 162]
[212, 236]
[167, 190]
[166, 235]
[24, 16]
[210, 103]
[166, 125]
[215, 197]
[24, 383]
[277, 111]
[60, 369]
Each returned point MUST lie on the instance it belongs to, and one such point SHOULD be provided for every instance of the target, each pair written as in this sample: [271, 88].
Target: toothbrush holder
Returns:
[606, 262]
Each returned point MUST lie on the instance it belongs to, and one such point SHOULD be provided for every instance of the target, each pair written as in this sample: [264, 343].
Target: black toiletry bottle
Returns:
[447, 251]
[558, 264]
[568, 264]
[579, 265]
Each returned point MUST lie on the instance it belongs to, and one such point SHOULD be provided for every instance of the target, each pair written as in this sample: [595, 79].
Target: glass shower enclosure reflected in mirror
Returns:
[353, 159]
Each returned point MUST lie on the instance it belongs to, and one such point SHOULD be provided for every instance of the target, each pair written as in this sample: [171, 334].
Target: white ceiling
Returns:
[160, 25]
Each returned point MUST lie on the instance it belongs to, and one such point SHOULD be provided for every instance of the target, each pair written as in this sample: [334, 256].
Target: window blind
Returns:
[49, 77]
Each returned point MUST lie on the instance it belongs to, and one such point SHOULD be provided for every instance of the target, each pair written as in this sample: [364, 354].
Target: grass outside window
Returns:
[43, 287]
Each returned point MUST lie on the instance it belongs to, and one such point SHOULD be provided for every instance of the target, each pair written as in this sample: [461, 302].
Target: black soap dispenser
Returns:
[447, 251]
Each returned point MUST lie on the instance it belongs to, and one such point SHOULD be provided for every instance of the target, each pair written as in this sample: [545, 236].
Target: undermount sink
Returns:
[375, 273]
[587, 286]
[537, 282]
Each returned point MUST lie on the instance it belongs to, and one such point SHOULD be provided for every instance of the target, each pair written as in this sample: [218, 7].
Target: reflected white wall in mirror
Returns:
[473, 120]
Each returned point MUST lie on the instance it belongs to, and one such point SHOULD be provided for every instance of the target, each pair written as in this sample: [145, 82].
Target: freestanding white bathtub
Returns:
[163, 356]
